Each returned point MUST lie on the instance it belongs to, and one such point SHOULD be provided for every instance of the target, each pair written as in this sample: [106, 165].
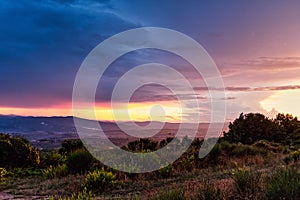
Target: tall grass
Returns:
[246, 183]
[284, 184]
[209, 192]
[172, 194]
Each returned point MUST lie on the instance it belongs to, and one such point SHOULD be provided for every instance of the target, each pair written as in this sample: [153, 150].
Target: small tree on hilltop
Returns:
[251, 127]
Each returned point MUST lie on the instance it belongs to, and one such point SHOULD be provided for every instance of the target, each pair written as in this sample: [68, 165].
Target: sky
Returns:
[255, 45]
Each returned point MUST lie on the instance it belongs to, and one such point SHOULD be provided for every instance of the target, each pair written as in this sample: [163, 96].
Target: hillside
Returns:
[49, 132]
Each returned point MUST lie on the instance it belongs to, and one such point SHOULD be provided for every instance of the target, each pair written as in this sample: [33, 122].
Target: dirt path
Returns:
[6, 196]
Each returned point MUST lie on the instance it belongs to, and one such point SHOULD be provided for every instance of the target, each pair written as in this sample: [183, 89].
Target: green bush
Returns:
[79, 161]
[58, 171]
[3, 173]
[99, 180]
[284, 184]
[52, 159]
[17, 152]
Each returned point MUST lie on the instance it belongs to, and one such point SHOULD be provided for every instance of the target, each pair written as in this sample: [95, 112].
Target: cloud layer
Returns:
[43, 43]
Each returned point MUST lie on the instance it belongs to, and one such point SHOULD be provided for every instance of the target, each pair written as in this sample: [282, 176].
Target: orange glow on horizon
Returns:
[146, 111]
[36, 112]
[165, 111]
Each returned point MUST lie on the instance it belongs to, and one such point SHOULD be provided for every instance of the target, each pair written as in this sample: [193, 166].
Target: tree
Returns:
[17, 152]
[251, 127]
[288, 123]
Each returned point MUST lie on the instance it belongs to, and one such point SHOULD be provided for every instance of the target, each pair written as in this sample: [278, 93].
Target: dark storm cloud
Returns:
[42, 44]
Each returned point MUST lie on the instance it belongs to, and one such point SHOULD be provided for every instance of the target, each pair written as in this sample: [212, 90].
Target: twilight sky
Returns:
[255, 44]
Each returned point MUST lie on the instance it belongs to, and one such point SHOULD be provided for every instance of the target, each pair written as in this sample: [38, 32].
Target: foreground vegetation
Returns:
[258, 158]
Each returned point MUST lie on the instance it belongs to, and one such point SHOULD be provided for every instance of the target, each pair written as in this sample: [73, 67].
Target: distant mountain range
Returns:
[49, 132]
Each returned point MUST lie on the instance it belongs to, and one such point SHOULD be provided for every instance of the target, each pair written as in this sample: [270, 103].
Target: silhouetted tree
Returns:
[251, 127]
[288, 123]
[17, 152]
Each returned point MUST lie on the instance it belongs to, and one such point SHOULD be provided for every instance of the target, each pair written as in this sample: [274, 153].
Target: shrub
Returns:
[284, 184]
[71, 145]
[224, 150]
[241, 150]
[210, 192]
[246, 183]
[141, 145]
[58, 171]
[3, 172]
[52, 159]
[275, 147]
[295, 155]
[17, 152]
[172, 194]
[166, 172]
[99, 180]
[79, 161]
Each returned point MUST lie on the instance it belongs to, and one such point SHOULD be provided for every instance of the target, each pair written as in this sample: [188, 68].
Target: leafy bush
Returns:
[17, 152]
[79, 161]
[58, 171]
[52, 159]
[284, 184]
[99, 180]
[3, 172]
